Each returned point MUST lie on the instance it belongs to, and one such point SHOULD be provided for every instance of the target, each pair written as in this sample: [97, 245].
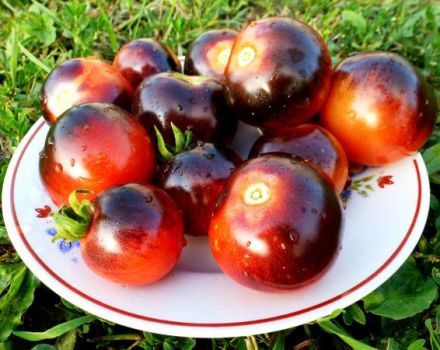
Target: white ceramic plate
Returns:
[198, 300]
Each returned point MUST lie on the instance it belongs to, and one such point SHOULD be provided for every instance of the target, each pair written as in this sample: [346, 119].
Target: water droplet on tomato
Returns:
[148, 199]
[248, 243]
[209, 156]
[72, 162]
[58, 168]
[83, 148]
[180, 107]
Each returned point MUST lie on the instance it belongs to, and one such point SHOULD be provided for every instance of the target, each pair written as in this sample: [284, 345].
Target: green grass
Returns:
[34, 37]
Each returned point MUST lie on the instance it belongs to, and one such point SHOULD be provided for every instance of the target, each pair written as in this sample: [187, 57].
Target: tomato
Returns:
[278, 74]
[135, 235]
[141, 58]
[82, 80]
[277, 224]
[94, 146]
[380, 108]
[312, 143]
[209, 53]
[194, 179]
[189, 102]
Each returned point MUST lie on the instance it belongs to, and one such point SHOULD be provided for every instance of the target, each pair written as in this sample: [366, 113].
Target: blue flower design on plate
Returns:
[62, 244]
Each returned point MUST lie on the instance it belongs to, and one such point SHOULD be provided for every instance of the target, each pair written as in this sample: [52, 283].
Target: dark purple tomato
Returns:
[141, 58]
[94, 146]
[277, 224]
[194, 179]
[189, 102]
[136, 235]
[313, 144]
[278, 73]
[380, 108]
[83, 80]
[209, 53]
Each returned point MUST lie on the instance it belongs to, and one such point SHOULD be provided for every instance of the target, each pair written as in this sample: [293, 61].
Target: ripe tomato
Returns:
[94, 146]
[135, 234]
[194, 179]
[380, 108]
[277, 224]
[82, 80]
[312, 143]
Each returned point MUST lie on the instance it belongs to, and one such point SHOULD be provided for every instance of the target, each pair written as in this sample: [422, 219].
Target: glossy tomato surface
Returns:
[141, 58]
[136, 235]
[313, 144]
[278, 74]
[82, 80]
[94, 146]
[195, 179]
[380, 108]
[190, 102]
[277, 225]
[209, 53]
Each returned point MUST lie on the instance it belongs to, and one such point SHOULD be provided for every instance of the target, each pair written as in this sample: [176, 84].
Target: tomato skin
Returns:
[278, 74]
[277, 225]
[380, 108]
[209, 53]
[141, 58]
[94, 146]
[189, 102]
[312, 143]
[136, 236]
[83, 80]
[194, 179]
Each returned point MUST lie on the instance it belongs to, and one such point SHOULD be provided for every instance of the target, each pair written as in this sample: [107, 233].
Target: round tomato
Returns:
[277, 224]
[380, 108]
[94, 146]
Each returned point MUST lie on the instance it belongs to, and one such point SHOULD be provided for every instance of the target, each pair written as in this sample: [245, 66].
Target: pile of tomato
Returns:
[138, 154]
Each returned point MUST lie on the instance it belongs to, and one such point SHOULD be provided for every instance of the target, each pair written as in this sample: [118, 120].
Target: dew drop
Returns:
[83, 148]
[148, 199]
[58, 168]
[86, 126]
[293, 236]
[209, 156]
[50, 140]
[179, 107]
[72, 162]
[248, 243]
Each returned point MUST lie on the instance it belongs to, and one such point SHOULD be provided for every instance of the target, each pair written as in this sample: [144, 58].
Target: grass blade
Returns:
[56, 331]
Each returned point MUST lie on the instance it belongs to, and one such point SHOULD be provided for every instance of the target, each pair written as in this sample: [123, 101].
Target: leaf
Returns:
[392, 344]
[431, 156]
[16, 300]
[356, 20]
[436, 275]
[405, 294]
[67, 341]
[417, 345]
[280, 342]
[335, 329]
[354, 312]
[4, 239]
[44, 347]
[55, 331]
[12, 53]
[434, 339]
